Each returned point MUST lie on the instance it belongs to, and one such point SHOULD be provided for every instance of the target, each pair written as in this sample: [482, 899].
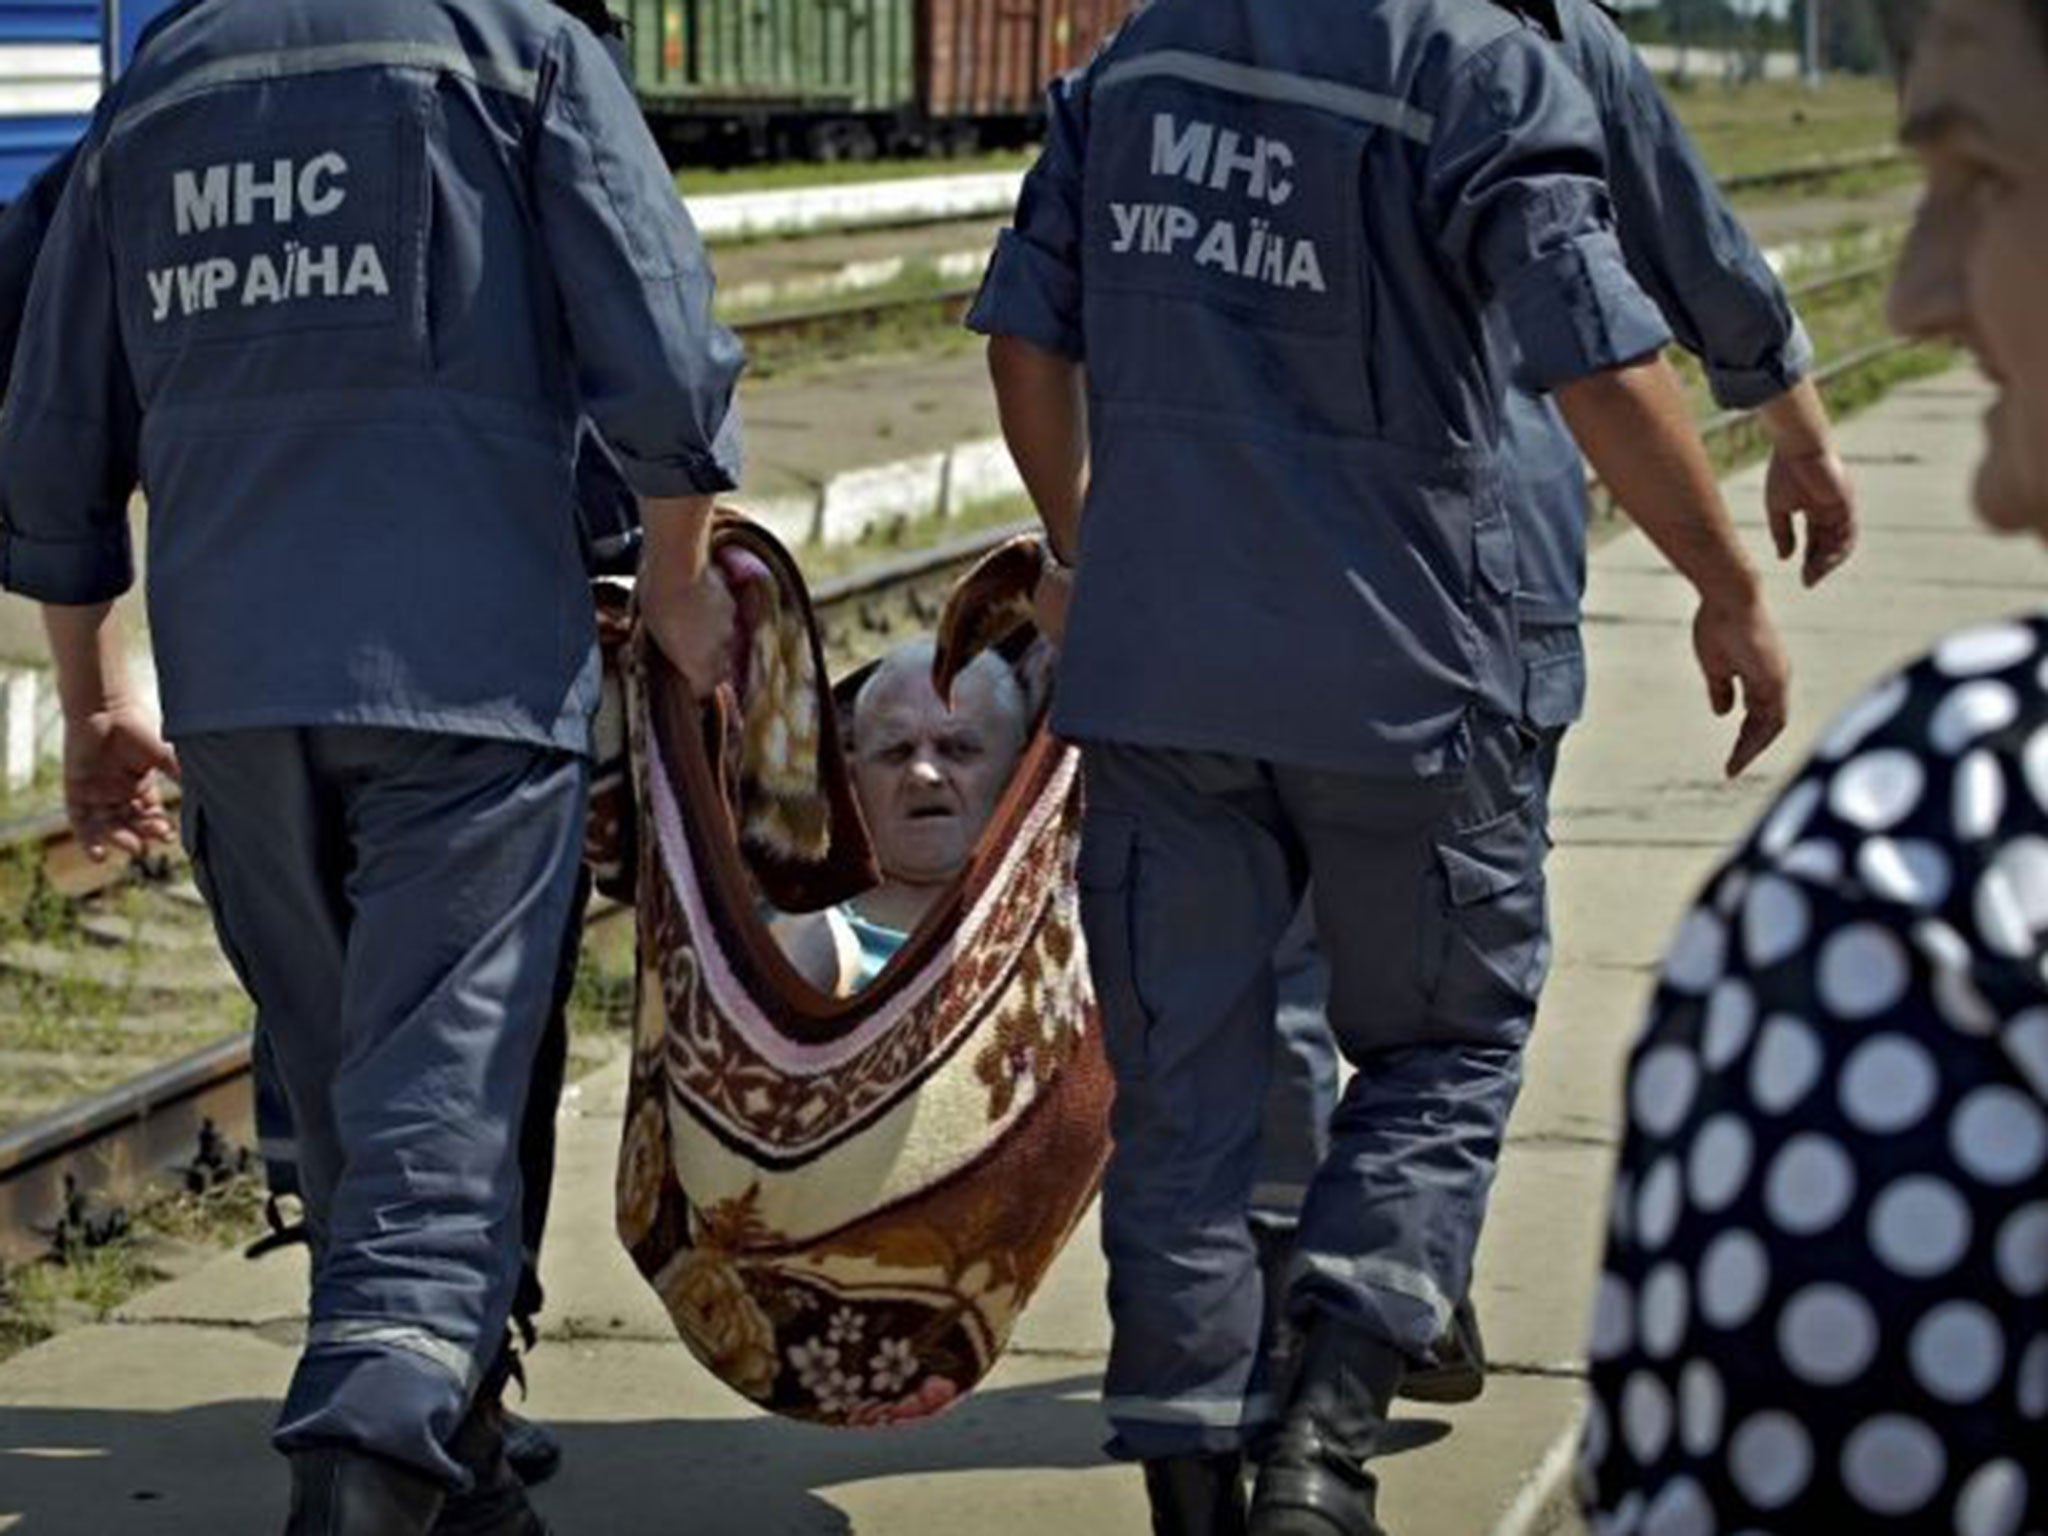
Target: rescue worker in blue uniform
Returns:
[337, 282]
[607, 517]
[1241, 318]
[1689, 252]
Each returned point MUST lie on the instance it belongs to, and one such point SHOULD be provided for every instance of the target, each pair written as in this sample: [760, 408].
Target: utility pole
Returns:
[1811, 46]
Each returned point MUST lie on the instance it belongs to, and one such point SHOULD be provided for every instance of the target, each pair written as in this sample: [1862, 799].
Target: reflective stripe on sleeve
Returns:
[327, 58]
[1332, 96]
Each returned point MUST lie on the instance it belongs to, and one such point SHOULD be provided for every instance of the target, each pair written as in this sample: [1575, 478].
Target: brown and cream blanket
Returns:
[846, 1204]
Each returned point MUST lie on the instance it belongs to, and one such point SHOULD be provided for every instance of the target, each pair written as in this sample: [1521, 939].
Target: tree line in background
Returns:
[1851, 39]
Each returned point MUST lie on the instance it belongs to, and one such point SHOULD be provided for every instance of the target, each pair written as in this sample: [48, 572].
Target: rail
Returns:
[1823, 168]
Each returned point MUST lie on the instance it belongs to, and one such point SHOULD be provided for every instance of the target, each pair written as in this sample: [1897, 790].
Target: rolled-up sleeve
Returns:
[69, 430]
[1683, 243]
[1033, 285]
[657, 373]
[1514, 180]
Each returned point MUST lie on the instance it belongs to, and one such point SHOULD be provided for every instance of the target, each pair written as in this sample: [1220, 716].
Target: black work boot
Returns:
[1314, 1481]
[495, 1504]
[533, 1450]
[1200, 1495]
[342, 1492]
[1459, 1374]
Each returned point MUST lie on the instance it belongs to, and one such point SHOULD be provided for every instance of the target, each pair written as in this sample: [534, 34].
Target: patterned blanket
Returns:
[845, 1204]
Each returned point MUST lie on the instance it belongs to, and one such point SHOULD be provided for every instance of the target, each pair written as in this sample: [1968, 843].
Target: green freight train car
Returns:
[848, 79]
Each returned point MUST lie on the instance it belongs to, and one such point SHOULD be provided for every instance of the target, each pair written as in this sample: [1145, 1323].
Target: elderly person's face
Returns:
[1976, 110]
[929, 778]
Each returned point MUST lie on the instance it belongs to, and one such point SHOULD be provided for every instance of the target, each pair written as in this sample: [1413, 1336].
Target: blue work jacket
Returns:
[1714, 289]
[1272, 234]
[23, 227]
[336, 280]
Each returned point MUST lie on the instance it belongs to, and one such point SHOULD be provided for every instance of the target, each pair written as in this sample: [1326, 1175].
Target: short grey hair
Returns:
[913, 658]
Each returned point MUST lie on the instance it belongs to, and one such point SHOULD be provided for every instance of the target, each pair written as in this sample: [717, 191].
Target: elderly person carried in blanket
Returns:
[929, 778]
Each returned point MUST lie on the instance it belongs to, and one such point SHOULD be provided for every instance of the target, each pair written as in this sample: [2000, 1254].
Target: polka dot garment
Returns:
[1824, 1306]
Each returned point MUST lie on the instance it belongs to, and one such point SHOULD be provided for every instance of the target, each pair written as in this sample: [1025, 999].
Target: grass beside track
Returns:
[1759, 127]
[174, 1229]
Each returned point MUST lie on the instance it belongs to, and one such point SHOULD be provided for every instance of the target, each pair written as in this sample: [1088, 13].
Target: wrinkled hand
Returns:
[1050, 600]
[1737, 645]
[692, 622]
[1814, 485]
[111, 794]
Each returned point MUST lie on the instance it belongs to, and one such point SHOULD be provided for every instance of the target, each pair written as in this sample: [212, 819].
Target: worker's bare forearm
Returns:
[1797, 420]
[677, 538]
[1633, 424]
[1042, 399]
[85, 645]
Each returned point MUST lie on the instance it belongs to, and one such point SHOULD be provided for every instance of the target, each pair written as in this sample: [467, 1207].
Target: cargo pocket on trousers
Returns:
[1492, 946]
[1106, 871]
[1553, 681]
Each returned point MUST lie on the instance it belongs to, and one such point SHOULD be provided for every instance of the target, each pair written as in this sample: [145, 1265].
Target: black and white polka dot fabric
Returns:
[1824, 1308]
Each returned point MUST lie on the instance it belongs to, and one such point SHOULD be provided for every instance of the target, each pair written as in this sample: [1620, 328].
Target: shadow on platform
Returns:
[86, 1472]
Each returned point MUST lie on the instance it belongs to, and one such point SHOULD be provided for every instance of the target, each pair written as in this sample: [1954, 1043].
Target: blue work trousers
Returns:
[394, 901]
[1428, 905]
[1302, 1095]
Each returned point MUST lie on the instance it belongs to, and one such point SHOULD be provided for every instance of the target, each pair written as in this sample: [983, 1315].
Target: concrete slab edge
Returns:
[722, 216]
[853, 277]
[848, 504]
[1541, 1498]
[32, 718]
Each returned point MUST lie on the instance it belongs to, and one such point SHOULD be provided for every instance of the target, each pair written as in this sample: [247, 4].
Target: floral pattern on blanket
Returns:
[1023, 962]
[909, 1298]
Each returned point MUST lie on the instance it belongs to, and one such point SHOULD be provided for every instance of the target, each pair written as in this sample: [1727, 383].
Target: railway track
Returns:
[114, 1142]
[1807, 172]
[842, 321]
[839, 322]
[828, 211]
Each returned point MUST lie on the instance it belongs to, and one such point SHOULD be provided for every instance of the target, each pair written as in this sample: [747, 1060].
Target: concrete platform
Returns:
[155, 1421]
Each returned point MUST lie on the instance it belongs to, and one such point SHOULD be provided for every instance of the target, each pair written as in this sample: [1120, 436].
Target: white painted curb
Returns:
[1545, 1485]
[32, 719]
[849, 504]
[20, 691]
[1714, 63]
[854, 277]
[855, 205]
[1800, 258]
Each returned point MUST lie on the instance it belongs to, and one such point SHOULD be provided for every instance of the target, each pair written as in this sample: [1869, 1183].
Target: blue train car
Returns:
[56, 56]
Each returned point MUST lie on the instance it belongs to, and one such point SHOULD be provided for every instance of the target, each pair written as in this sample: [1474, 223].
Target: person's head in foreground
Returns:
[1975, 109]
[929, 777]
